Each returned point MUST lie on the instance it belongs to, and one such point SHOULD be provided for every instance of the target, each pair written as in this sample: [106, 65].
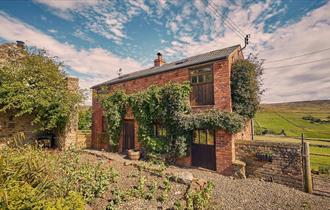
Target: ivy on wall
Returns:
[212, 119]
[246, 84]
[167, 105]
[114, 110]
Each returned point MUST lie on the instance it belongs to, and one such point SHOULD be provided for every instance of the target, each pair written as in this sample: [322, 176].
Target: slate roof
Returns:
[190, 61]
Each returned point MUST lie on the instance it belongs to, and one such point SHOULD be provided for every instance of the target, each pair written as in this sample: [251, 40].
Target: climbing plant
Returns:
[246, 86]
[167, 105]
[213, 119]
[114, 110]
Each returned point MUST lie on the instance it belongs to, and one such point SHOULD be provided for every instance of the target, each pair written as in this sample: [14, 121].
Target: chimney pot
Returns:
[159, 60]
[20, 44]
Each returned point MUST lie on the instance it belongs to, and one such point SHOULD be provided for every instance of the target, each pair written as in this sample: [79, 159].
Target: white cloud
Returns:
[305, 82]
[53, 31]
[97, 64]
[105, 18]
[64, 5]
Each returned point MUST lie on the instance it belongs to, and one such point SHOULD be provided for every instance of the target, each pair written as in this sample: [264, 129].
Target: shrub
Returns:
[246, 86]
[73, 201]
[16, 195]
[28, 181]
[200, 199]
[33, 178]
[85, 119]
[88, 179]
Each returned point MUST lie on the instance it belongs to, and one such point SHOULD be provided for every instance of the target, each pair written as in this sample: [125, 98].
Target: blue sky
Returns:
[95, 38]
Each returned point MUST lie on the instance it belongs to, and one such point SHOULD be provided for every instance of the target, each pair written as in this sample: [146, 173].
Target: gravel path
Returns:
[232, 193]
[249, 194]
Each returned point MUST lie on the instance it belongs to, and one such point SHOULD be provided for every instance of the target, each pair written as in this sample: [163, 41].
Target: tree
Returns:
[246, 84]
[34, 84]
[85, 119]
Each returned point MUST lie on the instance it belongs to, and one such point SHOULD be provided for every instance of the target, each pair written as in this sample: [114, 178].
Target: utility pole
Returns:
[246, 41]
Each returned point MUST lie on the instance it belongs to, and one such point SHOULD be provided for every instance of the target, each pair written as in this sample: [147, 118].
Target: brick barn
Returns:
[209, 75]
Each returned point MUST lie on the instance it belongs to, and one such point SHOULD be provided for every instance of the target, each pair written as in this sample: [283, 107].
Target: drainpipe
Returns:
[252, 129]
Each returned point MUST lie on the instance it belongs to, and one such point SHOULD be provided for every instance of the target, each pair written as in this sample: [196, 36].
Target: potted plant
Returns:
[133, 154]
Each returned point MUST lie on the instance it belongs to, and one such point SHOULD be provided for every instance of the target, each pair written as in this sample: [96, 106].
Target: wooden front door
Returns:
[129, 134]
[203, 149]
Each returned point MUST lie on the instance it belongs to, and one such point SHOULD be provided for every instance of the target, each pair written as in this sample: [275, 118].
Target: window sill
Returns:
[202, 106]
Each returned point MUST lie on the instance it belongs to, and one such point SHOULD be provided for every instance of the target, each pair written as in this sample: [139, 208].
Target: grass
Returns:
[288, 116]
[316, 160]
[291, 139]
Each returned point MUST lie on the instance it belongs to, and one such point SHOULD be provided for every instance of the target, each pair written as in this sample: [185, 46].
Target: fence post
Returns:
[307, 169]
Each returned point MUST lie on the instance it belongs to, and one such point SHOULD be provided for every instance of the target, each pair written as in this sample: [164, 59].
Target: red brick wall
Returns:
[225, 148]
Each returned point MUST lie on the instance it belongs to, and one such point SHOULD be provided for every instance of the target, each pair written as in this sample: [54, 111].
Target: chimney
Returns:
[159, 60]
[20, 44]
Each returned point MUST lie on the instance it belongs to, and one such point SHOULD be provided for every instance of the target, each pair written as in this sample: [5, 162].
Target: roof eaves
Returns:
[116, 81]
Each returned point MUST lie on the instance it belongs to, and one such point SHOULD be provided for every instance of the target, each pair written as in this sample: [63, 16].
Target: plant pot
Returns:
[133, 154]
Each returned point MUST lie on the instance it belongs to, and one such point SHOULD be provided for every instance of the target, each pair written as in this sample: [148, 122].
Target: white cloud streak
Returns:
[305, 82]
[97, 64]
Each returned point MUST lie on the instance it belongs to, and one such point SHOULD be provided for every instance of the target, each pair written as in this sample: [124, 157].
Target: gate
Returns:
[316, 165]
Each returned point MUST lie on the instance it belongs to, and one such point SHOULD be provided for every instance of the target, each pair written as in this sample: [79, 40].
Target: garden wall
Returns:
[276, 162]
[84, 140]
[10, 125]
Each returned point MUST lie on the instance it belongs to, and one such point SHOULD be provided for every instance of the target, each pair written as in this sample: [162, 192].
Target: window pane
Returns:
[202, 137]
[194, 72]
[194, 79]
[210, 137]
[162, 131]
[196, 137]
[208, 77]
[201, 78]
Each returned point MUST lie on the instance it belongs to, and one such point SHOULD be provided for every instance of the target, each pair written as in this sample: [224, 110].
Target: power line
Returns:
[226, 18]
[229, 26]
[224, 21]
[297, 64]
[218, 14]
[297, 56]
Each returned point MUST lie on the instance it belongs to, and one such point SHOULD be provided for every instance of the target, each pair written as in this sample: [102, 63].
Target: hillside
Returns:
[272, 118]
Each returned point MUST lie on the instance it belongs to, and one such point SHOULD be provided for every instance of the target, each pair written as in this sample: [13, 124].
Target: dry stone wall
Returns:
[276, 162]
[84, 140]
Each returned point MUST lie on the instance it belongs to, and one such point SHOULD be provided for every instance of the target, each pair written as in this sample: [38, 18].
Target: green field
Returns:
[273, 118]
[288, 116]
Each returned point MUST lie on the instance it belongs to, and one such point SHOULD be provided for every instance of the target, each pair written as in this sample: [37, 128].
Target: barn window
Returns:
[201, 80]
[204, 136]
